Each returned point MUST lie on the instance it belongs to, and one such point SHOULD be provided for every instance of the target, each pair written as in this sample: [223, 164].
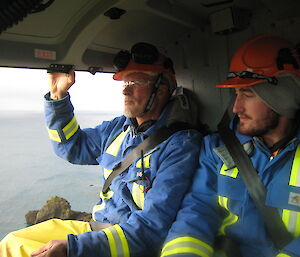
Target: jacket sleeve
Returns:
[145, 230]
[193, 232]
[69, 141]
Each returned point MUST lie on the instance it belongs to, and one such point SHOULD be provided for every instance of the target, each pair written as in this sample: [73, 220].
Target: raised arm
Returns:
[59, 84]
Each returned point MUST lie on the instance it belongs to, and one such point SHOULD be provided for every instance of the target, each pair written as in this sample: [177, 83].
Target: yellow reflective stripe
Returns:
[295, 178]
[223, 201]
[107, 195]
[146, 162]
[185, 250]
[291, 219]
[114, 147]
[106, 173]
[70, 129]
[187, 245]
[229, 172]
[230, 219]
[117, 241]
[124, 243]
[101, 206]
[53, 134]
[111, 241]
[283, 255]
[138, 195]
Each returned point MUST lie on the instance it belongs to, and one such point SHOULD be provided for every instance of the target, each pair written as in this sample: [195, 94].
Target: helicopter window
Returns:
[30, 172]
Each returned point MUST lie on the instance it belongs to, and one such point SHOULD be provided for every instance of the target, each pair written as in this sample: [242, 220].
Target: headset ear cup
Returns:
[121, 60]
[285, 57]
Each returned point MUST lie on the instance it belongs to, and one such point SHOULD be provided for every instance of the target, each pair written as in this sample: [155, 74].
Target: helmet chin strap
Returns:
[153, 94]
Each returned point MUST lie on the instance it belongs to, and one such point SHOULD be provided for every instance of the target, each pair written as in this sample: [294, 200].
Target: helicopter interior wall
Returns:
[202, 59]
[84, 36]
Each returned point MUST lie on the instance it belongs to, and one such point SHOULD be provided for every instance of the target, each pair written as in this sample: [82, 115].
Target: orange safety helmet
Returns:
[262, 59]
[144, 57]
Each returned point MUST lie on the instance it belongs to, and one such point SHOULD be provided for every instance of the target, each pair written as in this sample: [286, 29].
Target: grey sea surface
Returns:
[30, 172]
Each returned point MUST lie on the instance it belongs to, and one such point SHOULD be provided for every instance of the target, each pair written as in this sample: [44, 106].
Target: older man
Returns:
[139, 205]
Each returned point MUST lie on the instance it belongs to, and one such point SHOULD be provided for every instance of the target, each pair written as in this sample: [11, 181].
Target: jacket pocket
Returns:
[287, 200]
[230, 184]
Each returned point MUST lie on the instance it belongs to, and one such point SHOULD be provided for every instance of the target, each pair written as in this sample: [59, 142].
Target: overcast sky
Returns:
[23, 89]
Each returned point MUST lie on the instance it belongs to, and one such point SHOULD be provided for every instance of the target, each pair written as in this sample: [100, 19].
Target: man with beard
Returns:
[135, 212]
[265, 75]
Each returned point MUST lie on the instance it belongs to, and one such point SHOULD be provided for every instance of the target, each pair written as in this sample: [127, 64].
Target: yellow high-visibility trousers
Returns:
[23, 242]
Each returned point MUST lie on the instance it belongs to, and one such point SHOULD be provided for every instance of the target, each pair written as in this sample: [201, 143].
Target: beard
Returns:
[260, 127]
[130, 113]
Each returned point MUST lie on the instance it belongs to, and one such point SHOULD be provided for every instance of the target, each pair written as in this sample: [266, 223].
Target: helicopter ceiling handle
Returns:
[60, 68]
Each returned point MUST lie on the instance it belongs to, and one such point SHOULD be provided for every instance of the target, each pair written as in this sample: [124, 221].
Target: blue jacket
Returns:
[142, 209]
[219, 203]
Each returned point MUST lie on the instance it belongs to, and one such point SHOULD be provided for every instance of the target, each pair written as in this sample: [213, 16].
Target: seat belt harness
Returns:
[149, 143]
[257, 191]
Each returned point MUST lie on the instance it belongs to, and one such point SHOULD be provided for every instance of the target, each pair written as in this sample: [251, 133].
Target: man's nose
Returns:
[126, 90]
[238, 106]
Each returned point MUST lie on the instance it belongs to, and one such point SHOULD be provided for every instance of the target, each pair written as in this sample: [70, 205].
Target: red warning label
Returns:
[44, 54]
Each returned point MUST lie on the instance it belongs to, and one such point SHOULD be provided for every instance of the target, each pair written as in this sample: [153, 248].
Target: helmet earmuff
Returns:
[121, 60]
[285, 56]
[144, 53]
[141, 53]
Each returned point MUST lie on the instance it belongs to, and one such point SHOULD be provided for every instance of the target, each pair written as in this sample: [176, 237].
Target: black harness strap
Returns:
[149, 143]
[274, 224]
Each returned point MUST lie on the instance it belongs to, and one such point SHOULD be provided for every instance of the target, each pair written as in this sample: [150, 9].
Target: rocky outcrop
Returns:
[56, 207]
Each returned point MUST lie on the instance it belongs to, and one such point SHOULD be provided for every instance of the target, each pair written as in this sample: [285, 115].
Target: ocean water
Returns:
[30, 173]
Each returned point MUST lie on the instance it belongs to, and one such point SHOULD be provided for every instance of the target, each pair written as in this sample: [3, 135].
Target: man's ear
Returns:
[163, 90]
